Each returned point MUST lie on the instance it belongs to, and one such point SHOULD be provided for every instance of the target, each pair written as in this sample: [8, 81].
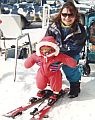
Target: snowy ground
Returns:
[14, 94]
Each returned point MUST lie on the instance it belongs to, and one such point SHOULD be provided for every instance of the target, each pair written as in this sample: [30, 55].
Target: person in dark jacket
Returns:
[70, 35]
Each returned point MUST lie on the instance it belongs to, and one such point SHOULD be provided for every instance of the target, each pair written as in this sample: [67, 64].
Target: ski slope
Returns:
[14, 94]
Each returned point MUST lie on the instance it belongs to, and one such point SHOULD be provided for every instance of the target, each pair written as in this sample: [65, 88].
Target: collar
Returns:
[65, 26]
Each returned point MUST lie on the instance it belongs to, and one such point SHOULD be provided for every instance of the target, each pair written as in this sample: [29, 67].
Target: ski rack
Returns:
[11, 29]
[16, 49]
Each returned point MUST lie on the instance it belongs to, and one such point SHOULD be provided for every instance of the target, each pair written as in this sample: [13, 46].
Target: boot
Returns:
[74, 89]
[44, 93]
[54, 97]
[41, 93]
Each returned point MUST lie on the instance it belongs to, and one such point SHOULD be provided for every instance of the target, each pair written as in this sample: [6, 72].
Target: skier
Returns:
[47, 53]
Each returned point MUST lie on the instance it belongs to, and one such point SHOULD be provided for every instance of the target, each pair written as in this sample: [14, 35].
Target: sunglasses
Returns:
[69, 15]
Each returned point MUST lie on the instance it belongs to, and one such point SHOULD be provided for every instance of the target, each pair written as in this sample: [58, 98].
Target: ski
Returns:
[39, 114]
[32, 101]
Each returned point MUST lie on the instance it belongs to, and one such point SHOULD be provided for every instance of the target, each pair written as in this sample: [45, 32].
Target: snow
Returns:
[14, 94]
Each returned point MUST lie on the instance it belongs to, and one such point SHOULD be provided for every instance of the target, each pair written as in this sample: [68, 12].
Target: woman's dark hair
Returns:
[71, 8]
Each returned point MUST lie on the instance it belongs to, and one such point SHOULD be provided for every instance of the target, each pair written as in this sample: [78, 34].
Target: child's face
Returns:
[45, 50]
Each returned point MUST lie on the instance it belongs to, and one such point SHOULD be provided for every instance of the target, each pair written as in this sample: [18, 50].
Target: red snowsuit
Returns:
[45, 75]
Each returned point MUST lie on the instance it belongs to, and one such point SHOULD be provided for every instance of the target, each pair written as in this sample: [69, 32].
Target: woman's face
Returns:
[67, 17]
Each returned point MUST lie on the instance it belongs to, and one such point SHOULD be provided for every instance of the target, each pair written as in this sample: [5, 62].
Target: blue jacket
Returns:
[71, 41]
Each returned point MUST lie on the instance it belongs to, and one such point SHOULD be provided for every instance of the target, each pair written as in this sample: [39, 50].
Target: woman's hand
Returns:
[55, 66]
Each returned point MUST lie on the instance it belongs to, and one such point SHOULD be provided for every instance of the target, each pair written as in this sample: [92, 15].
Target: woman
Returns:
[71, 37]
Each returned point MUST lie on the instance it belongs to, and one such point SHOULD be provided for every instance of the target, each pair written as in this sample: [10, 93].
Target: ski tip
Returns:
[9, 115]
[5, 115]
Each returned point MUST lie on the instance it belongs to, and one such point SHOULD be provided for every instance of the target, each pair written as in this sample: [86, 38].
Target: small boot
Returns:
[44, 93]
[41, 93]
[54, 97]
[74, 89]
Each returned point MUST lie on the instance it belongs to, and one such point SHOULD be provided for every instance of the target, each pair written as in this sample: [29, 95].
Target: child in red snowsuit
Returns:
[47, 53]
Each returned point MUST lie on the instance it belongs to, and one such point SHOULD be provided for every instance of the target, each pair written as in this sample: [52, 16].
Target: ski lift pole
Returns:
[0, 8]
[16, 56]
[46, 16]
[30, 44]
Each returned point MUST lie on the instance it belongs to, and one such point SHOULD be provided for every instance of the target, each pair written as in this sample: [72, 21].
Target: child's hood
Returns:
[47, 41]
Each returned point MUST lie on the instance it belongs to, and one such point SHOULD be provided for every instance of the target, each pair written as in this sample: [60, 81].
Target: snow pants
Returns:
[72, 74]
[54, 79]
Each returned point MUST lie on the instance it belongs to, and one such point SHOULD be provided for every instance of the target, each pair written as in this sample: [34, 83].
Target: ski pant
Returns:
[72, 74]
[54, 79]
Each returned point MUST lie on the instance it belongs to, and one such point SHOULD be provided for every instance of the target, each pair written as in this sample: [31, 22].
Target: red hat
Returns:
[0, 21]
[48, 41]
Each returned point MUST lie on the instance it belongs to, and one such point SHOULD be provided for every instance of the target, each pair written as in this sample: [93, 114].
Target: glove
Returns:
[55, 66]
